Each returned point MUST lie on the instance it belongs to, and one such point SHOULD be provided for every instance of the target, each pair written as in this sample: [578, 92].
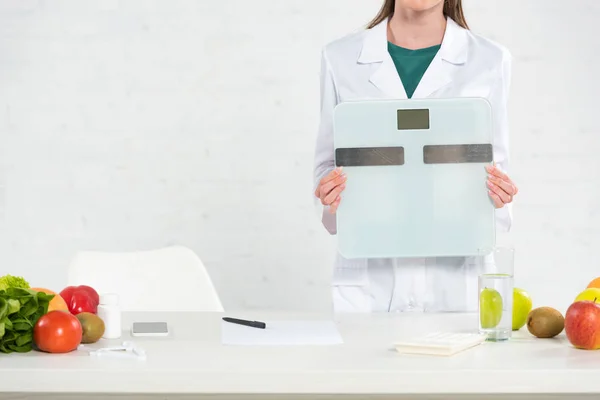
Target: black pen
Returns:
[253, 324]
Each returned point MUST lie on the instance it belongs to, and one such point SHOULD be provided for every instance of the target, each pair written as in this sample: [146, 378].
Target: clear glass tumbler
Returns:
[496, 295]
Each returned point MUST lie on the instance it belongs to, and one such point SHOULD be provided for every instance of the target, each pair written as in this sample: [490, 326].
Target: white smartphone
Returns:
[149, 329]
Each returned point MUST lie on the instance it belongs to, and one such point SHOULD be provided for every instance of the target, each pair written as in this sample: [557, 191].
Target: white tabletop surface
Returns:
[193, 360]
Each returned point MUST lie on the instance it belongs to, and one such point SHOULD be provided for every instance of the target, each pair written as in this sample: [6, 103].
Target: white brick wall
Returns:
[135, 124]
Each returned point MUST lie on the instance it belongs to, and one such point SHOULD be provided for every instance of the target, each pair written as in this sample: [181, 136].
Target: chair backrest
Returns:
[167, 279]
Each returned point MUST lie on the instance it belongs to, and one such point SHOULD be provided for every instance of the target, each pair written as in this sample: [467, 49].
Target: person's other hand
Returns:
[501, 188]
[330, 189]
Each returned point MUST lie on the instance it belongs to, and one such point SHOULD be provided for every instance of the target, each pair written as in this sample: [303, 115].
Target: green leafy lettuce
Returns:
[8, 281]
[20, 309]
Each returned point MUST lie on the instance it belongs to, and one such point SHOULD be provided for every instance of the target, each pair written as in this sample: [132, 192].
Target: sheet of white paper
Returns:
[282, 333]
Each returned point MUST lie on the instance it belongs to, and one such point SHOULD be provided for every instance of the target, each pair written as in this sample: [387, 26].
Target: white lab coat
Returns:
[358, 67]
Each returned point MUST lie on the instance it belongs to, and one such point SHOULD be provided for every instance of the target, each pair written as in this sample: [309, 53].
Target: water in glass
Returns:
[495, 306]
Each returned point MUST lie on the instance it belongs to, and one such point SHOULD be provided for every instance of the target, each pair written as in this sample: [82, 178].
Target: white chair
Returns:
[167, 279]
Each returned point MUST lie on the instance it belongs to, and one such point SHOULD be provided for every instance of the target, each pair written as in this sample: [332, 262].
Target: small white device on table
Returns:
[416, 182]
[149, 329]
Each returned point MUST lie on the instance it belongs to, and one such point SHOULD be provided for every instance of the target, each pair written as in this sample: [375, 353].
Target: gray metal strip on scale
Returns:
[457, 153]
[369, 156]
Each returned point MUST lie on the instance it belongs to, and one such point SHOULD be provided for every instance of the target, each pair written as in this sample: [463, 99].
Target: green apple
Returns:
[522, 305]
[490, 308]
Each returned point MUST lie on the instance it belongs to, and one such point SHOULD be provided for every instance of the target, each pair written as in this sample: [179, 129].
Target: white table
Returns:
[192, 362]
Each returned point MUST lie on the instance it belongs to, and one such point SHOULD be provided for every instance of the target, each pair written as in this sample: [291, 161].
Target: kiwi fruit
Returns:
[545, 322]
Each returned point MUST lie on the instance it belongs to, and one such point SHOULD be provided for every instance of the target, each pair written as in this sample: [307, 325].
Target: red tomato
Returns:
[57, 332]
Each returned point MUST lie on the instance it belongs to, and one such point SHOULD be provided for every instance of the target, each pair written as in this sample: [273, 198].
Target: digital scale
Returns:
[416, 182]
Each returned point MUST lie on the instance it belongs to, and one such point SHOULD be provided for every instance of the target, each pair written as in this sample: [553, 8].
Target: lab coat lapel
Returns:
[453, 52]
[436, 77]
[386, 78]
[384, 75]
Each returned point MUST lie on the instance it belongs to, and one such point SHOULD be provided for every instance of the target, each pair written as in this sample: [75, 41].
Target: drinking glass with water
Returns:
[496, 295]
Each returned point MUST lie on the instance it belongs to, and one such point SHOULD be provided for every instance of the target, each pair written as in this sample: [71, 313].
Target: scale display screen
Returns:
[413, 119]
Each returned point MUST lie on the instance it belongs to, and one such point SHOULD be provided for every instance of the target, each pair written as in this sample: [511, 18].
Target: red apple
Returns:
[582, 325]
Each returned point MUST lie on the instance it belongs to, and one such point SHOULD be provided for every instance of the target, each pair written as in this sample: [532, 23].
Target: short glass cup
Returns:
[495, 289]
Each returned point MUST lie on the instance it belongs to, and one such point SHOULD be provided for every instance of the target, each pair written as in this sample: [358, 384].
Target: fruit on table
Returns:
[92, 327]
[57, 303]
[490, 308]
[591, 294]
[545, 322]
[595, 283]
[582, 325]
[522, 305]
[81, 299]
[57, 332]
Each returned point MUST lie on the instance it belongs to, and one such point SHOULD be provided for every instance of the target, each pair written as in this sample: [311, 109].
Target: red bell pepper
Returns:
[81, 299]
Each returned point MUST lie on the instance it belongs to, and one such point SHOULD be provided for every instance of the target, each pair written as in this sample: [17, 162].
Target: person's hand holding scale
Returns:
[501, 188]
[330, 189]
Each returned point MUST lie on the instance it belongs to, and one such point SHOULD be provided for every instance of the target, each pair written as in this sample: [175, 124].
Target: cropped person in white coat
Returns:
[416, 49]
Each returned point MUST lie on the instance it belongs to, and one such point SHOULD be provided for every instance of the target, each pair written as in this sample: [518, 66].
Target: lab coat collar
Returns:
[453, 51]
